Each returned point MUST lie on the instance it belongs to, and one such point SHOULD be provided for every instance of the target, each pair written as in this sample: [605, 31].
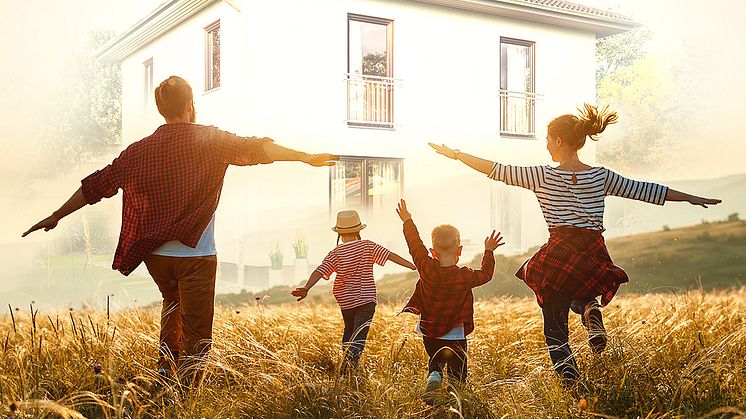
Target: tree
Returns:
[374, 64]
[86, 121]
[84, 125]
[618, 51]
[641, 94]
[646, 93]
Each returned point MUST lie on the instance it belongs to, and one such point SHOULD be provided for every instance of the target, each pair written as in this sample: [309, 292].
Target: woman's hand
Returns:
[703, 202]
[677, 196]
[301, 293]
[442, 149]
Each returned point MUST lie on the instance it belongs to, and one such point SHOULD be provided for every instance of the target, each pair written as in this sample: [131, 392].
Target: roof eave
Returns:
[172, 12]
[601, 26]
[164, 18]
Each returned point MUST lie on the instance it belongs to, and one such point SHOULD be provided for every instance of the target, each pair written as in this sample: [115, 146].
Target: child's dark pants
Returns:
[447, 352]
[357, 322]
[556, 311]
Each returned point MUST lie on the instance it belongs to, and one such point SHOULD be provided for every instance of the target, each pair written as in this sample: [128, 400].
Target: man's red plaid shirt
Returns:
[442, 296]
[171, 183]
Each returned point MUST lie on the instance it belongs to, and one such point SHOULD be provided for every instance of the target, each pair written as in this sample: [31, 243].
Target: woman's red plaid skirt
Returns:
[574, 262]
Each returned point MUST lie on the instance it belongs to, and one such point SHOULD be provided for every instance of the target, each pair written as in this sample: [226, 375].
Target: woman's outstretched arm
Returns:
[676, 196]
[529, 177]
[476, 163]
[650, 192]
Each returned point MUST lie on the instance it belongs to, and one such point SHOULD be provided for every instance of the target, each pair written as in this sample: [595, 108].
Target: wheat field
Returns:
[669, 355]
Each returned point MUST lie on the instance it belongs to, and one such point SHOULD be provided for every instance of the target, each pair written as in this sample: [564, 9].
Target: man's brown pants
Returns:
[187, 285]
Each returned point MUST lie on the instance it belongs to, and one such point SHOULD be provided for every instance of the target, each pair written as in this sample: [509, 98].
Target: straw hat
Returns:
[348, 222]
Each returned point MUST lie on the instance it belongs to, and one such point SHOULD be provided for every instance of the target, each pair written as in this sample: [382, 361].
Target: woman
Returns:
[573, 268]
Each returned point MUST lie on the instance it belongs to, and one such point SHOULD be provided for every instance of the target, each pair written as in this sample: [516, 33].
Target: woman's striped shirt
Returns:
[353, 262]
[581, 204]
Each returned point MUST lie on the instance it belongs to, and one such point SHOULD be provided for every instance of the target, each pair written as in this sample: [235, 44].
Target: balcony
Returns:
[518, 113]
[370, 101]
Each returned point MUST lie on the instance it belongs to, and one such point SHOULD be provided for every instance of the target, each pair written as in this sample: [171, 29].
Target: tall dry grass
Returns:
[669, 355]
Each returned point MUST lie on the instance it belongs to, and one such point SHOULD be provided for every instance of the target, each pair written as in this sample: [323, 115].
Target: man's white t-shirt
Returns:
[457, 333]
[205, 246]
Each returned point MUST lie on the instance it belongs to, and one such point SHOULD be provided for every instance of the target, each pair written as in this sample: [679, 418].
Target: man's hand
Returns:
[493, 241]
[320, 160]
[301, 293]
[47, 224]
[442, 149]
[401, 209]
[704, 202]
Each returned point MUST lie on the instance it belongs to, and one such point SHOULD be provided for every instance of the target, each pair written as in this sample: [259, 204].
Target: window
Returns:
[370, 83]
[366, 184]
[517, 94]
[148, 82]
[212, 59]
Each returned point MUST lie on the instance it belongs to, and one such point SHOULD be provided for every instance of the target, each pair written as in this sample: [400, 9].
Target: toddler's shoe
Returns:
[434, 381]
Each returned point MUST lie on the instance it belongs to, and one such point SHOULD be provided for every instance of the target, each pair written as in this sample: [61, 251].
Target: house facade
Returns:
[372, 81]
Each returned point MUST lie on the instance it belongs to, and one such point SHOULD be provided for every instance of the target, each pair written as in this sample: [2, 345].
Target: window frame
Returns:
[209, 31]
[149, 84]
[366, 200]
[389, 24]
[504, 84]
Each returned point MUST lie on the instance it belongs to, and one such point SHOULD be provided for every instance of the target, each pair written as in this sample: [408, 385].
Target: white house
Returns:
[373, 81]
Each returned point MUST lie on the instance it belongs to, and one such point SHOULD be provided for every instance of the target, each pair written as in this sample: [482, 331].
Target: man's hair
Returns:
[446, 238]
[172, 96]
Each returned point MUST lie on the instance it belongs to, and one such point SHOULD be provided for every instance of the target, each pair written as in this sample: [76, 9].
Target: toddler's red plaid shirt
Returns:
[442, 296]
[171, 182]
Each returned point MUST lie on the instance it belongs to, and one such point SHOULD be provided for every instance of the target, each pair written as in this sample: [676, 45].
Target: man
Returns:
[171, 183]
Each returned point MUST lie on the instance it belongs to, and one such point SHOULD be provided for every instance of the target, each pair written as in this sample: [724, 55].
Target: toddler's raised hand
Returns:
[401, 210]
[493, 241]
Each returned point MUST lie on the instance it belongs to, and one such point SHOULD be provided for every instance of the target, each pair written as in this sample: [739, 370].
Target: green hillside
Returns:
[707, 256]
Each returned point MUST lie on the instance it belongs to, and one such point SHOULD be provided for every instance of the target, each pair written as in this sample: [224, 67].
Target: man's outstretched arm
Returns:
[76, 202]
[276, 152]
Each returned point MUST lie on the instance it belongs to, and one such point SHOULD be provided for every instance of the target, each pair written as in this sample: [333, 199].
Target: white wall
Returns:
[283, 65]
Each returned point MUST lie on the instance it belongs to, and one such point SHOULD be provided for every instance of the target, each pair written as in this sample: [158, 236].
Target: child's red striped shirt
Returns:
[353, 262]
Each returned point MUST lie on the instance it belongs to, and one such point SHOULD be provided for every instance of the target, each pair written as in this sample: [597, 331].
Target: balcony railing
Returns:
[518, 113]
[370, 101]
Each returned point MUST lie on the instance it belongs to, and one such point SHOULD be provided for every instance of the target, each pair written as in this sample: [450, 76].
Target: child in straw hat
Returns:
[354, 286]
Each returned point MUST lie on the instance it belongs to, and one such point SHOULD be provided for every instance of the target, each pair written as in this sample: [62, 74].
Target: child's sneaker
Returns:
[593, 321]
[434, 381]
